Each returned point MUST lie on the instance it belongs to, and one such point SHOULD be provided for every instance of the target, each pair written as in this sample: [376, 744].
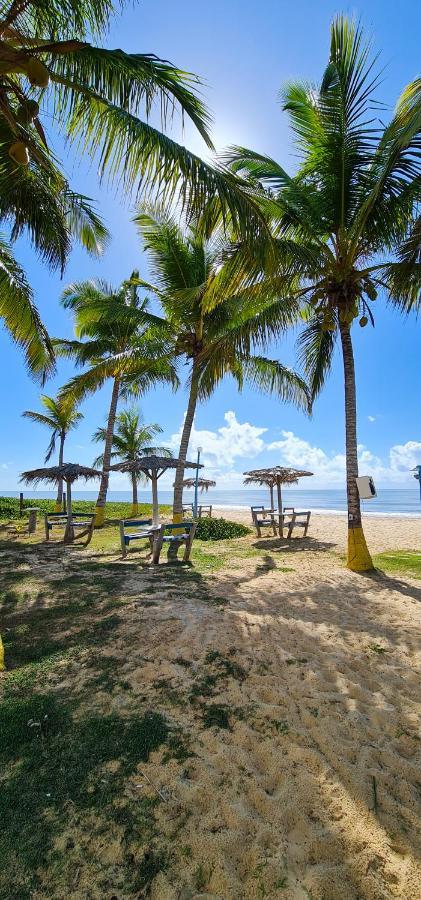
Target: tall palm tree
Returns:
[60, 417]
[346, 224]
[215, 332]
[131, 440]
[118, 339]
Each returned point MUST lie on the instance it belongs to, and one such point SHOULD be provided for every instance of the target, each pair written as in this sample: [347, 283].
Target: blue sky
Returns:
[244, 52]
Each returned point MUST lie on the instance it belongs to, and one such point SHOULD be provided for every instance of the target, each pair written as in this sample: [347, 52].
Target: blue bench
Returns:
[263, 518]
[79, 520]
[144, 531]
[174, 535]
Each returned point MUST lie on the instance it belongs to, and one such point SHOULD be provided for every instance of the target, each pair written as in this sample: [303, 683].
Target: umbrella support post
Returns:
[280, 510]
[69, 533]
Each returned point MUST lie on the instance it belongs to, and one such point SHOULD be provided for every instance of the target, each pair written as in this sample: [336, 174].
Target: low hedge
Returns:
[219, 530]
[9, 508]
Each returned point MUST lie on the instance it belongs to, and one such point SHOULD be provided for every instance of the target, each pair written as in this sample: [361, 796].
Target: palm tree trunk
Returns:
[135, 507]
[359, 559]
[184, 444]
[59, 501]
[103, 488]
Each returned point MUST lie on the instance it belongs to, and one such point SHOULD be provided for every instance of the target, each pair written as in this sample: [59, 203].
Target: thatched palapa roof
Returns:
[151, 464]
[274, 475]
[68, 472]
[203, 483]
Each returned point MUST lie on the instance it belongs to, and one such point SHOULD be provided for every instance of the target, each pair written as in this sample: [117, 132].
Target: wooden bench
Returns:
[184, 534]
[204, 510]
[79, 520]
[144, 531]
[263, 518]
[297, 520]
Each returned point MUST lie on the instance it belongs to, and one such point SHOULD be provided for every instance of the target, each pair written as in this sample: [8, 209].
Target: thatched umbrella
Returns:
[203, 483]
[276, 476]
[153, 467]
[68, 472]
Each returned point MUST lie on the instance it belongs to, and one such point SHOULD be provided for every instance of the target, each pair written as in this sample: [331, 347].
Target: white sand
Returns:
[382, 532]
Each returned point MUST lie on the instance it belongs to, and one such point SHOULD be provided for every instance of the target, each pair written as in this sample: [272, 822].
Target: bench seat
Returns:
[146, 532]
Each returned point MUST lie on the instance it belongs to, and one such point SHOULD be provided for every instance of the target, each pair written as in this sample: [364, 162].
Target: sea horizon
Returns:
[389, 501]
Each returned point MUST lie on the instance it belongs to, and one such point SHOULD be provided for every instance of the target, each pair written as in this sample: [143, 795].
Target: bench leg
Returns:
[187, 551]
[156, 549]
[122, 541]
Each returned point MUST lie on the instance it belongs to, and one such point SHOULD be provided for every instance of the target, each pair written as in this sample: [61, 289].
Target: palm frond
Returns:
[21, 318]
[316, 354]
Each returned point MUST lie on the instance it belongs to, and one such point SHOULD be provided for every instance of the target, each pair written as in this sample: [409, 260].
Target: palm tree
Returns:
[60, 417]
[101, 100]
[346, 224]
[215, 332]
[131, 440]
[123, 342]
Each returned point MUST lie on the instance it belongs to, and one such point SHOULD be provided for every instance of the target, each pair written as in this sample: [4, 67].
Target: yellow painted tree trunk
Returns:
[358, 558]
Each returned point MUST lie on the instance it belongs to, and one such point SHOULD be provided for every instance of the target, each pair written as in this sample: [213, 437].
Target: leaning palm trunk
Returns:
[184, 444]
[103, 488]
[135, 506]
[60, 495]
[359, 559]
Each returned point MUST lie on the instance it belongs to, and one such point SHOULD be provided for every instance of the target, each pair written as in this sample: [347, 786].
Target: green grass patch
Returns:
[403, 562]
[54, 766]
[216, 715]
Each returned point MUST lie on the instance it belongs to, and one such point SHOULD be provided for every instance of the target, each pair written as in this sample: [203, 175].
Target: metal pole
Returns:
[196, 484]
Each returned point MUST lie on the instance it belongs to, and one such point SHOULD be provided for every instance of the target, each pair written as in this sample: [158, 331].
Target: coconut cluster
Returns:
[38, 76]
[345, 308]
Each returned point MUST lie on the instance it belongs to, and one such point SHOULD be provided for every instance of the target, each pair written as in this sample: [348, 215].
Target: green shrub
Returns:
[9, 508]
[219, 530]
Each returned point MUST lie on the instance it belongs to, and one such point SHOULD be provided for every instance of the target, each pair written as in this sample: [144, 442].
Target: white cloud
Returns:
[405, 456]
[371, 418]
[329, 469]
[222, 447]
[300, 454]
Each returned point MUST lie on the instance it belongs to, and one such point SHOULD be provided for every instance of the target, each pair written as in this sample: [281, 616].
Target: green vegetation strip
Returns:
[403, 562]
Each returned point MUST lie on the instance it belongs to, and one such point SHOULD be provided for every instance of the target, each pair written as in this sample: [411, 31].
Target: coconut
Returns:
[27, 112]
[363, 321]
[19, 153]
[37, 73]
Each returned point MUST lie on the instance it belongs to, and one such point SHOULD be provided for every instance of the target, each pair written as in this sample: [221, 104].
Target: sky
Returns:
[244, 52]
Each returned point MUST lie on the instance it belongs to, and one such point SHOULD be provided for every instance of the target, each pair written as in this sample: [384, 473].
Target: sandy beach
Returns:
[296, 686]
[382, 532]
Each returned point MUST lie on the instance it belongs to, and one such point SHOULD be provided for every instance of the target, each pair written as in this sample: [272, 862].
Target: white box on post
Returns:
[366, 488]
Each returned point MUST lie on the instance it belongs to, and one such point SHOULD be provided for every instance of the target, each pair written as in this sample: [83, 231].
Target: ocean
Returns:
[389, 502]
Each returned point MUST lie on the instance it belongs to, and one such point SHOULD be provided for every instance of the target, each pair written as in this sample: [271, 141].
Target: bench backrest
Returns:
[62, 515]
[135, 523]
[186, 526]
